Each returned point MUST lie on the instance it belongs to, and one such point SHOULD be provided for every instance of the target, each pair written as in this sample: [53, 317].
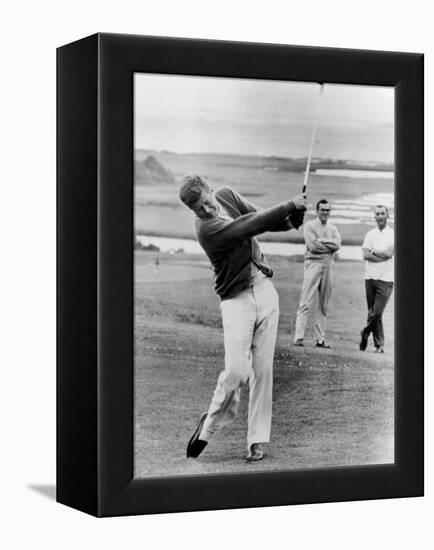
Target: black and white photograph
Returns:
[113, 340]
[263, 275]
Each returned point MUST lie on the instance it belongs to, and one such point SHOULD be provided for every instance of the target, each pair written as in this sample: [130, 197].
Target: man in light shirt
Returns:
[378, 250]
[322, 241]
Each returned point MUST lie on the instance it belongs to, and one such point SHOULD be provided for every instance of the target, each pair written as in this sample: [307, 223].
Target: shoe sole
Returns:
[260, 456]
[196, 434]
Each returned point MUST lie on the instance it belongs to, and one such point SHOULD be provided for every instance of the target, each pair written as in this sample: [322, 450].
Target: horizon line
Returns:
[267, 156]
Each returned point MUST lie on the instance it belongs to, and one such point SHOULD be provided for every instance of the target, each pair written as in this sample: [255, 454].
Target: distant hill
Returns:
[150, 171]
[272, 163]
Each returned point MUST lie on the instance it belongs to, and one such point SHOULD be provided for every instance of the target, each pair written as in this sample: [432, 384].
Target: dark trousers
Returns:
[377, 295]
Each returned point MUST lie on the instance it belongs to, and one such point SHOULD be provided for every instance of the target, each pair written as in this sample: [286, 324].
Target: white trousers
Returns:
[317, 280]
[250, 322]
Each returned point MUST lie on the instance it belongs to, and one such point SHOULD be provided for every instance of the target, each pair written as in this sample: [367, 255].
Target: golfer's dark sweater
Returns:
[231, 246]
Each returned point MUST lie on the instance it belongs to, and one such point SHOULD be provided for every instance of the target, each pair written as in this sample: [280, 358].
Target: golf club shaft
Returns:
[312, 140]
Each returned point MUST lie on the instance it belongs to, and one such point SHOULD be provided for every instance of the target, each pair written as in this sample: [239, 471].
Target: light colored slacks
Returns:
[317, 280]
[250, 322]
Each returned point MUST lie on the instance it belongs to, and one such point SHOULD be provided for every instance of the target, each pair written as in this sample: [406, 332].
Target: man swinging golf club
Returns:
[226, 225]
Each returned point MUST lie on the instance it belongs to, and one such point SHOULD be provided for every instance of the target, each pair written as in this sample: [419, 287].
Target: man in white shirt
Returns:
[378, 250]
[322, 241]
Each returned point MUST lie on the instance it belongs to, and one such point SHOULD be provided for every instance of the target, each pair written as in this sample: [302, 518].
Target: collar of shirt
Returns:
[387, 229]
[223, 214]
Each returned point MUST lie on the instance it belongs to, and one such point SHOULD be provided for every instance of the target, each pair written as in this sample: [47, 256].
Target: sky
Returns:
[260, 117]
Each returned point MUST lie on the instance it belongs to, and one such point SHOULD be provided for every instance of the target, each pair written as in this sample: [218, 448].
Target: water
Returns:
[344, 212]
[166, 244]
[360, 210]
[370, 174]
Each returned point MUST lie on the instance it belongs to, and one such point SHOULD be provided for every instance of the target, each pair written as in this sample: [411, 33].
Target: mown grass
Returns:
[331, 408]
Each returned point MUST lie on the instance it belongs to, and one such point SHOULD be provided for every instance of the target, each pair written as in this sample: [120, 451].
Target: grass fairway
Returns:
[330, 407]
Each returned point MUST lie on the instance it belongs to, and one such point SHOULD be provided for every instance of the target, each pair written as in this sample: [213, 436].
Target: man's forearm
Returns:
[373, 257]
[282, 225]
[381, 255]
[316, 247]
[384, 255]
[331, 245]
[252, 224]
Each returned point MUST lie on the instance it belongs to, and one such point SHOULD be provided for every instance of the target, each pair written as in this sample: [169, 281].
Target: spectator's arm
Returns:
[330, 245]
[385, 254]
[334, 243]
[371, 256]
[312, 243]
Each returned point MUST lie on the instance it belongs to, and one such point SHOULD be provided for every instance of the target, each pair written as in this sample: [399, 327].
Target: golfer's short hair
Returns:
[382, 206]
[191, 188]
[322, 201]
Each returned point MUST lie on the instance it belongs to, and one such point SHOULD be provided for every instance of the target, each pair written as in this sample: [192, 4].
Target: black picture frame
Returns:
[95, 274]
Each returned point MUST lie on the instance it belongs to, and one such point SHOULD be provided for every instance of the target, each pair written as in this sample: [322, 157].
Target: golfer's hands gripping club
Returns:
[300, 202]
[297, 217]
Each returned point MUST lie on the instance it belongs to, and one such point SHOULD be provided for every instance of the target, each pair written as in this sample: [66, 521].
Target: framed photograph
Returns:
[237, 325]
